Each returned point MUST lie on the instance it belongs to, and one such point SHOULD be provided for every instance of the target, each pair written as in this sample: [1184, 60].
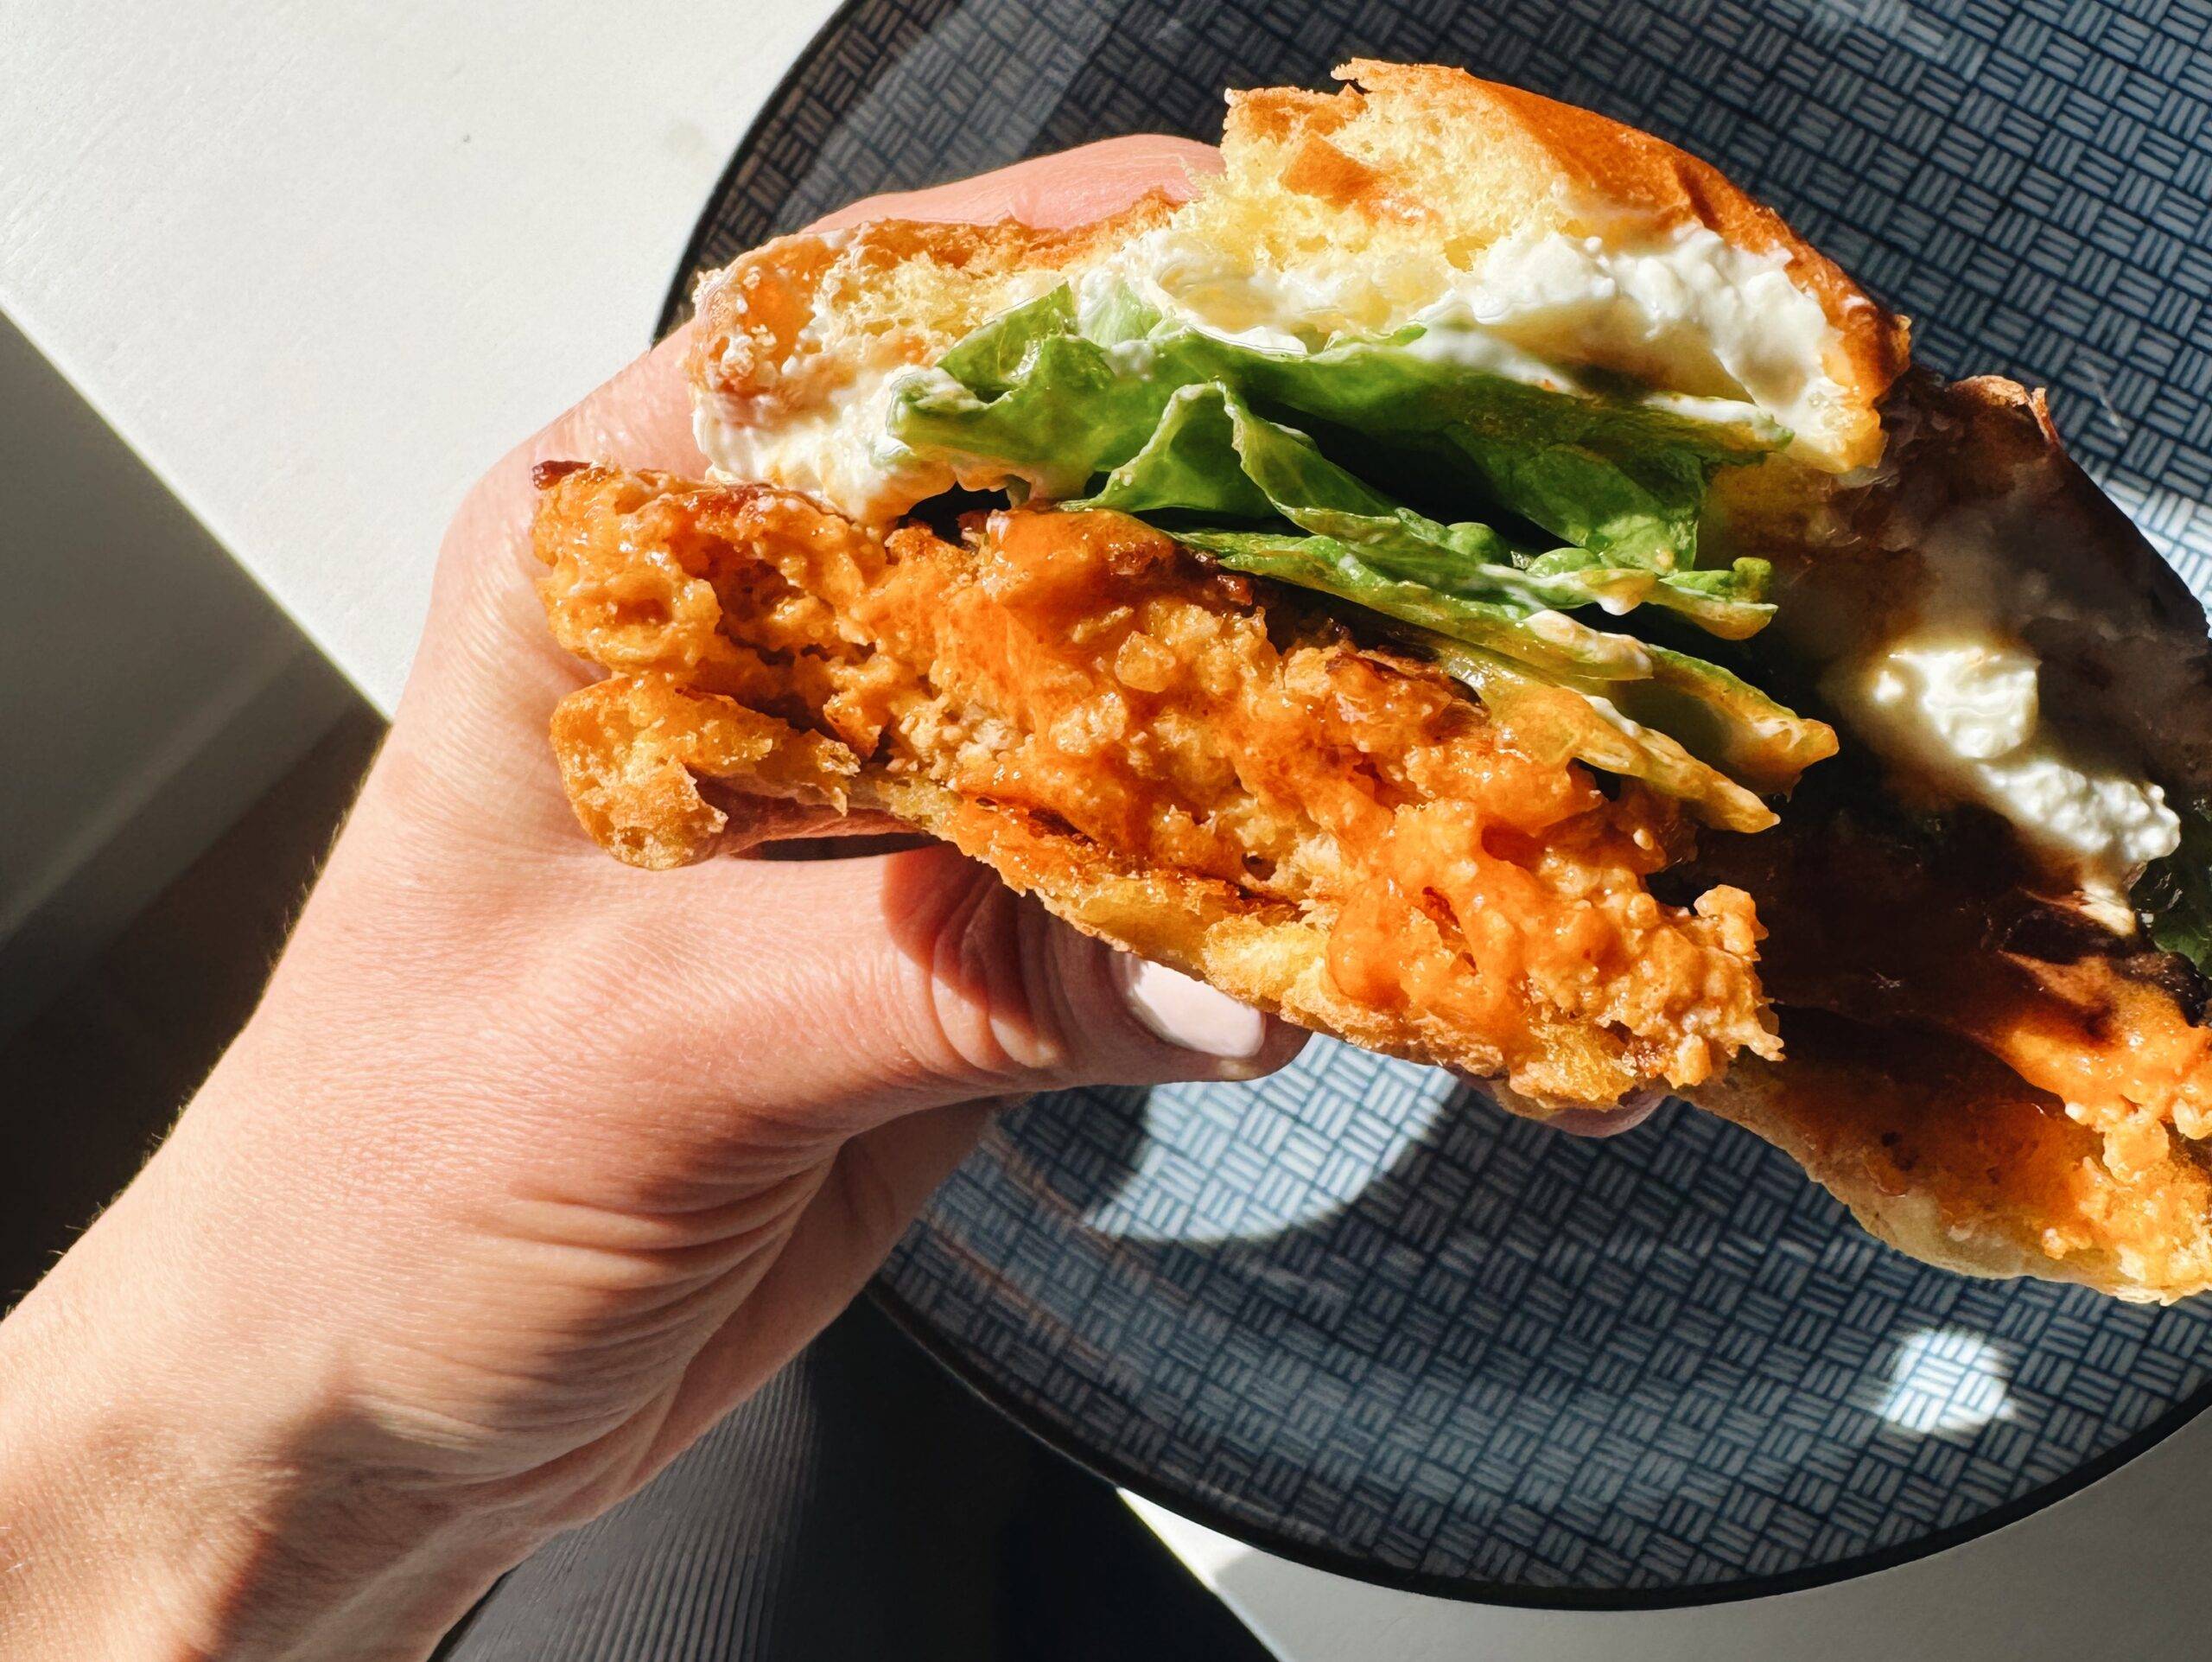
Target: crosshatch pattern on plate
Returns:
[1337, 1311]
[1426, 1333]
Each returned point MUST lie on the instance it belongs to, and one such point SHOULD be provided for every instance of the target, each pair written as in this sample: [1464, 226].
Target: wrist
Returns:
[186, 1474]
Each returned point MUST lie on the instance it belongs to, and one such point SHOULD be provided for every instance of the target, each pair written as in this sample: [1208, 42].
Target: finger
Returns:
[1069, 188]
[641, 418]
[920, 979]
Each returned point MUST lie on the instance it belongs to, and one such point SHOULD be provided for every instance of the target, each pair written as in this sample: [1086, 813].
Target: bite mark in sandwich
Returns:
[1458, 581]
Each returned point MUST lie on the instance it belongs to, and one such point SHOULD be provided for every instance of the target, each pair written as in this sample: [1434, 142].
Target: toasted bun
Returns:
[1398, 191]
[1418, 157]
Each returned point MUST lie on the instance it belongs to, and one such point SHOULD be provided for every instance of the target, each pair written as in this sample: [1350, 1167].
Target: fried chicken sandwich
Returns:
[1476, 582]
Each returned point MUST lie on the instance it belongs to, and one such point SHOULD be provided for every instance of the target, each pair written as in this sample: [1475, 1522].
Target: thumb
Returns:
[922, 980]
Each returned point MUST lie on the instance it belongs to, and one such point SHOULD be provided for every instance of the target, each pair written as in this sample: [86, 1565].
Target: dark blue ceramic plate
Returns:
[1353, 1317]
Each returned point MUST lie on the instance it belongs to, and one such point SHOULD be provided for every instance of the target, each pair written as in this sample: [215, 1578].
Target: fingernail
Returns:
[1632, 1110]
[1188, 1012]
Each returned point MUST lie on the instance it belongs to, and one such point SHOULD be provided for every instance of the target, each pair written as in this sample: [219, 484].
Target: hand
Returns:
[530, 1166]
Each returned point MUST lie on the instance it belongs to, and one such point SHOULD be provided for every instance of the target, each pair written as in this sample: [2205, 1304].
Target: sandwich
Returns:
[1476, 582]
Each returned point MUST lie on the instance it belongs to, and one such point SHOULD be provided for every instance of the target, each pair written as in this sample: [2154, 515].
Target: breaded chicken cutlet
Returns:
[1218, 777]
[1472, 581]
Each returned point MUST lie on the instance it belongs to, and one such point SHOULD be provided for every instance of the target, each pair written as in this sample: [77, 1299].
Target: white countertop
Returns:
[321, 261]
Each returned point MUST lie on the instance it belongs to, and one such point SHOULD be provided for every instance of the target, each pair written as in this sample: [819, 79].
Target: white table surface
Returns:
[321, 261]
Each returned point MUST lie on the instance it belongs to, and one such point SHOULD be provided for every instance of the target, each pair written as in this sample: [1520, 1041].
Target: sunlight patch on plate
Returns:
[1234, 1164]
[1944, 1380]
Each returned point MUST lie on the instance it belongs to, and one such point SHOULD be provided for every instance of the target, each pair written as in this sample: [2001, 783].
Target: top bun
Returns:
[1415, 192]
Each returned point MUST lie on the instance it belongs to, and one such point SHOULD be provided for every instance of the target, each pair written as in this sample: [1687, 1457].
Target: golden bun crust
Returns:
[1406, 181]
[924, 282]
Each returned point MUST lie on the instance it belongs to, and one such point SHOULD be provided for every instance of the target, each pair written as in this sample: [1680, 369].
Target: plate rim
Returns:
[945, 1351]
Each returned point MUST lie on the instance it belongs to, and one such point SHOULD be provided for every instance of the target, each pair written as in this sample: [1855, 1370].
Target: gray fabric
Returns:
[856, 1507]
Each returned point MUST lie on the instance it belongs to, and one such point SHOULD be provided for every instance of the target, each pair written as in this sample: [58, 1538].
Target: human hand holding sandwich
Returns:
[530, 1166]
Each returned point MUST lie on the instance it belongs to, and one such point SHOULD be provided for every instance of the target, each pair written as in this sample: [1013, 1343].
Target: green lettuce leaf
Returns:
[1724, 718]
[1032, 389]
[991, 359]
[1109, 406]
[1622, 479]
[1210, 454]
[1190, 463]
[1548, 642]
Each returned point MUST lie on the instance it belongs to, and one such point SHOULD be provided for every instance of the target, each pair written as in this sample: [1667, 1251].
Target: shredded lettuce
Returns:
[1110, 405]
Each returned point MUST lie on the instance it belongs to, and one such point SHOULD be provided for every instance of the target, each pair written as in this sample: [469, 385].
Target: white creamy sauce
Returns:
[835, 446]
[1962, 711]
[1229, 295]
[1610, 713]
[1447, 338]
[1688, 313]
[838, 451]
[1954, 702]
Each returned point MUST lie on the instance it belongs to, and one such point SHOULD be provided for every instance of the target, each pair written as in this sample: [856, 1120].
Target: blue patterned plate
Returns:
[1357, 1319]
